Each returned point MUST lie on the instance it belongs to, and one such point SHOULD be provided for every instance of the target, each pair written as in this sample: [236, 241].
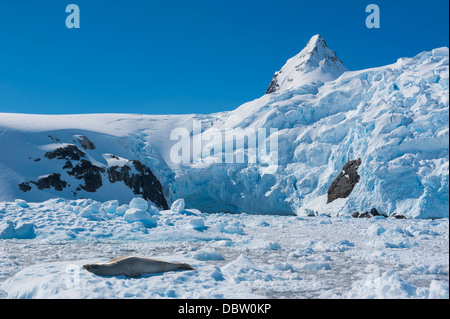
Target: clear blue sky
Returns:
[170, 57]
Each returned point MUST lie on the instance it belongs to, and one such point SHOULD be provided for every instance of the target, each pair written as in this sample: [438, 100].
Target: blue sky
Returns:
[193, 56]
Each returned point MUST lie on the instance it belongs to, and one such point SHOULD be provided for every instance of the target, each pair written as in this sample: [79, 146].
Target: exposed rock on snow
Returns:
[373, 213]
[52, 180]
[68, 152]
[343, 185]
[135, 175]
[90, 173]
[140, 180]
[24, 187]
[85, 143]
[85, 170]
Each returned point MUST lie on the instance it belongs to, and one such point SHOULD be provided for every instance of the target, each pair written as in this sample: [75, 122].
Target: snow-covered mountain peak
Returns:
[315, 43]
[316, 63]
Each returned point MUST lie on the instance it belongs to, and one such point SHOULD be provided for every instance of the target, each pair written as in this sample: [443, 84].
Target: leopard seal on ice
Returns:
[133, 266]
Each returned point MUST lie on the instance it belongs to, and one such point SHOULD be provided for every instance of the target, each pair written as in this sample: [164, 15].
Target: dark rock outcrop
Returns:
[24, 187]
[85, 143]
[90, 173]
[355, 215]
[68, 152]
[141, 182]
[54, 139]
[365, 215]
[135, 175]
[373, 212]
[273, 86]
[52, 180]
[343, 185]
[68, 165]
[361, 215]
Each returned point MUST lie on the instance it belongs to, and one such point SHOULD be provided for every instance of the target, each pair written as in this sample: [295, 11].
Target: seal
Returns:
[133, 266]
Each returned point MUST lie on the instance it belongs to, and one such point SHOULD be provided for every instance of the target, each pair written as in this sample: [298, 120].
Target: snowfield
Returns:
[235, 255]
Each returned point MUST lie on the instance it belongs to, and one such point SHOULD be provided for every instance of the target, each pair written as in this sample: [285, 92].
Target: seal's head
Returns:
[94, 268]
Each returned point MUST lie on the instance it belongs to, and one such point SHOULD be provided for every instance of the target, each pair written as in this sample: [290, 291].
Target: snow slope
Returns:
[394, 118]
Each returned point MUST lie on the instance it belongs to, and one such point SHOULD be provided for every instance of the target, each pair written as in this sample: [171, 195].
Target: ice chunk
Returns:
[139, 203]
[302, 252]
[22, 203]
[111, 206]
[375, 230]
[243, 269]
[122, 209]
[224, 243]
[217, 274]
[272, 245]
[231, 228]
[197, 223]
[387, 286]
[316, 266]
[282, 266]
[178, 205]
[9, 230]
[92, 211]
[438, 290]
[340, 246]
[137, 215]
[153, 210]
[207, 254]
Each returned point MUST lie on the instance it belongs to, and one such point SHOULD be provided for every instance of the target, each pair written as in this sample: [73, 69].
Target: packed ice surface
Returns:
[394, 118]
[234, 255]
